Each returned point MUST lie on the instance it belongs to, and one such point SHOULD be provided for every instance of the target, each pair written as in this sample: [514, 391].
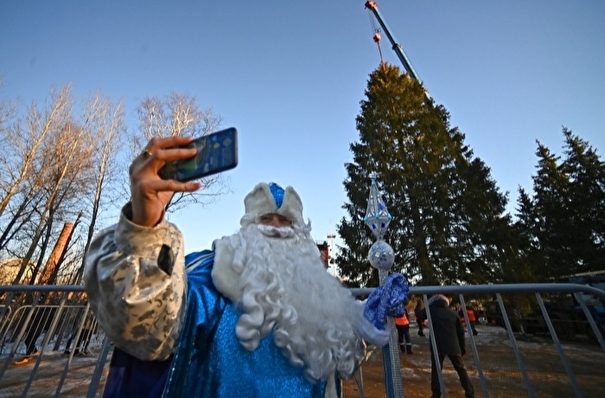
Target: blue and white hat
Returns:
[271, 198]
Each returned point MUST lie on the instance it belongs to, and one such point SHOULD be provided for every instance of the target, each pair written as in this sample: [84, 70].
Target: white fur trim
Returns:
[260, 201]
[225, 278]
[367, 330]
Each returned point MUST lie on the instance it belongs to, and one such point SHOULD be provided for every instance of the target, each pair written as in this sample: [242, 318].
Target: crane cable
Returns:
[376, 35]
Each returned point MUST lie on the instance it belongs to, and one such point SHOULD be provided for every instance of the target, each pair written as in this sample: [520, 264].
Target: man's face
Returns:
[275, 220]
[325, 256]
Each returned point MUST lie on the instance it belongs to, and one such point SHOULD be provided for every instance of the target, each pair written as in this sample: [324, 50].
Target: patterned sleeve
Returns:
[135, 280]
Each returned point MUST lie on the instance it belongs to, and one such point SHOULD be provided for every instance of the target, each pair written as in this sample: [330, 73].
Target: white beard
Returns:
[286, 289]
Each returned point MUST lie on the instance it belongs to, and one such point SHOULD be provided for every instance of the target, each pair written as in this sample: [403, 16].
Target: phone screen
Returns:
[216, 152]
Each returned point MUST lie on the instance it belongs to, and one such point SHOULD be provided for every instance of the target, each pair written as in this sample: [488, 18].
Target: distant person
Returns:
[402, 324]
[420, 318]
[39, 324]
[84, 338]
[449, 338]
[472, 318]
[324, 254]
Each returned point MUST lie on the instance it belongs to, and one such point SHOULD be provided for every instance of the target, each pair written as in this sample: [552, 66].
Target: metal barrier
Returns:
[50, 344]
[524, 330]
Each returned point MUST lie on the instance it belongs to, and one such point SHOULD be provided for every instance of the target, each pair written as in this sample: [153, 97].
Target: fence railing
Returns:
[51, 345]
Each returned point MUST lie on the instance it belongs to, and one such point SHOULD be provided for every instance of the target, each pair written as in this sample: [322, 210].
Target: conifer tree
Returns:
[564, 222]
[448, 224]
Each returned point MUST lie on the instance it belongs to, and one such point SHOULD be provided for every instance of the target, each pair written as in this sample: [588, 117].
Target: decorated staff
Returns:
[382, 257]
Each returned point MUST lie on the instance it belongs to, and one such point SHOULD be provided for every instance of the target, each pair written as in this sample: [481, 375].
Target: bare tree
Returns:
[65, 172]
[22, 208]
[94, 167]
[66, 164]
[22, 145]
[25, 178]
[107, 128]
[49, 179]
[8, 111]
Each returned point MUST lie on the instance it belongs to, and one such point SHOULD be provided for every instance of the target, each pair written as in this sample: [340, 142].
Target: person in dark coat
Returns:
[420, 317]
[449, 338]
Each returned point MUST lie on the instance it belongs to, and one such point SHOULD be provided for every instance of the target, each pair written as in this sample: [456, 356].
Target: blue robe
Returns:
[209, 360]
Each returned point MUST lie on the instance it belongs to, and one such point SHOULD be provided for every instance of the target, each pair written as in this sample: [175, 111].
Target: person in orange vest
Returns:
[472, 318]
[402, 324]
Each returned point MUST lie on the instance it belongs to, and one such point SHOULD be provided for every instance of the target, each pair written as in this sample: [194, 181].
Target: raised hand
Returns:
[149, 192]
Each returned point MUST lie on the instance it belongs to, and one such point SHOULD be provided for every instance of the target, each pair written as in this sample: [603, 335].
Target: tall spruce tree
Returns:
[448, 224]
[563, 223]
[524, 243]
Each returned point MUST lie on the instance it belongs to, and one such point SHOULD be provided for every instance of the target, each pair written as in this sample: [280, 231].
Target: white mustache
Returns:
[276, 232]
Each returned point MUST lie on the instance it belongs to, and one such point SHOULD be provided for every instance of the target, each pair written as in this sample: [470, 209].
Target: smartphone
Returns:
[216, 152]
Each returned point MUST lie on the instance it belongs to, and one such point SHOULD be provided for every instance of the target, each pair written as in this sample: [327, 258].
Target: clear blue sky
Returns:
[290, 76]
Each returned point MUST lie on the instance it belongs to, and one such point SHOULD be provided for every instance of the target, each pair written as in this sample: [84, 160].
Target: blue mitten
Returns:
[387, 300]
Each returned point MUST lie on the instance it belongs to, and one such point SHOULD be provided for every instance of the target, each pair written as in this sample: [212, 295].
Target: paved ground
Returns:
[503, 378]
[48, 377]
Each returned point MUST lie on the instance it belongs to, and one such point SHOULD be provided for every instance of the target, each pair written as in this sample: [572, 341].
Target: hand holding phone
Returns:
[216, 152]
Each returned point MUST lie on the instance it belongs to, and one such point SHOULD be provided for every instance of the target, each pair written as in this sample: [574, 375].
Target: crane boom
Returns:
[371, 5]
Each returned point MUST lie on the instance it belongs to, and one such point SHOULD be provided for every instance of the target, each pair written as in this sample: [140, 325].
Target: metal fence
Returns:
[50, 344]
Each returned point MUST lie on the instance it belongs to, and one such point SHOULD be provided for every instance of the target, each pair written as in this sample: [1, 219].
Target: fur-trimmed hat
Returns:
[271, 198]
